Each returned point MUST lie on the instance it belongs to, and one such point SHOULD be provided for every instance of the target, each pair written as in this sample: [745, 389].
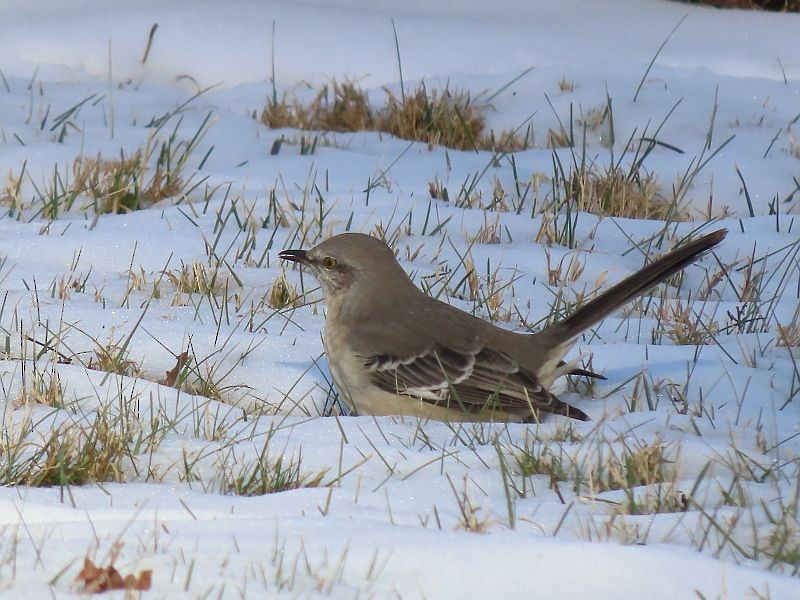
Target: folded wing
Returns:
[474, 381]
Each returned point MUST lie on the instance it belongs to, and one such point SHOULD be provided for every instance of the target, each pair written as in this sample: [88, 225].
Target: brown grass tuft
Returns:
[113, 358]
[336, 107]
[614, 193]
[565, 85]
[71, 454]
[195, 278]
[43, 388]
[437, 117]
[683, 326]
[283, 294]
[124, 184]
[789, 334]
[772, 5]
[633, 465]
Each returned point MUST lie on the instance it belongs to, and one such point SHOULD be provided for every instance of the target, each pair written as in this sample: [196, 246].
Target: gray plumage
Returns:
[392, 349]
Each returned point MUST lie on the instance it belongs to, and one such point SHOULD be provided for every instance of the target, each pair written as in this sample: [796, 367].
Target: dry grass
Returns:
[470, 517]
[487, 291]
[336, 107]
[558, 139]
[789, 334]
[437, 117]
[794, 146]
[642, 464]
[605, 468]
[283, 294]
[103, 185]
[438, 191]
[773, 5]
[43, 388]
[195, 278]
[124, 184]
[557, 275]
[614, 193]
[566, 85]
[72, 454]
[683, 326]
[616, 190]
[113, 358]
[266, 476]
[782, 545]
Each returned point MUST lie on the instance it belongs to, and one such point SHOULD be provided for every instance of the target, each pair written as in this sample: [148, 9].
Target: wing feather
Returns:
[474, 380]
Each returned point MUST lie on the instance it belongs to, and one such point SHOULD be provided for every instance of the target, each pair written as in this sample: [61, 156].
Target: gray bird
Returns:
[394, 350]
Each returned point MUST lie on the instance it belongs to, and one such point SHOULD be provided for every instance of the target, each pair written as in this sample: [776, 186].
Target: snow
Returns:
[404, 508]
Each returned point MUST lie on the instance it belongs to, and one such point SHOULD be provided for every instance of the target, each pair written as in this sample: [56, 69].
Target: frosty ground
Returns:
[684, 484]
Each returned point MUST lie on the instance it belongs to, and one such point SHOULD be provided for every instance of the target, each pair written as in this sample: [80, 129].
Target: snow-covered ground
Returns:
[392, 507]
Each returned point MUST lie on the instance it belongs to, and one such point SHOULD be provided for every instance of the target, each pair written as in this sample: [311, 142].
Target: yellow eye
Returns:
[329, 262]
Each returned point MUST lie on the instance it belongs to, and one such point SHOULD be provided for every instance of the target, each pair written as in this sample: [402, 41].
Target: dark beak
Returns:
[297, 256]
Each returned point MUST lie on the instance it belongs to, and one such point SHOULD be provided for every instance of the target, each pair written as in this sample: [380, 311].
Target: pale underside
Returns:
[443, 384]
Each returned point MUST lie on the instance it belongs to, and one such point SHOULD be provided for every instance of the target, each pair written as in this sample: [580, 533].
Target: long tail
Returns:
[630, 288]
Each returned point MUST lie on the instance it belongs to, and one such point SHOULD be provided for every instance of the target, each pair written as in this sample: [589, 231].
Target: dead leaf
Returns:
[96, 580]
[172, 374]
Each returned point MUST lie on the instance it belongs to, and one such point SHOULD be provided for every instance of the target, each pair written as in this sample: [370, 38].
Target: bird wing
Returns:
[476, 380]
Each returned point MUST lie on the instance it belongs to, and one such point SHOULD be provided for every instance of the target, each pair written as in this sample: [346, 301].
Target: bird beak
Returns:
[297, 256]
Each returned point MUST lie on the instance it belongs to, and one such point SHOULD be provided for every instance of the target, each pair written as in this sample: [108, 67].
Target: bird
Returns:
[394, 350]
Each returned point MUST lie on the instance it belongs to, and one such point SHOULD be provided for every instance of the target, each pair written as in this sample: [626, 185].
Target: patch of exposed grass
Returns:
[540, 459]
[268, 476]
[195, 278]
[70, 454]
[782, 545]
[437, 190]
[43, 388]
[436, 117]
[103, 185]
[204, 377]
[614, 193]
[445, 117]
[789, 333]
[655, 499]
[470, 517]
[283, 294]
[772, 5]
[114, 358]
[640, 464]
[335, 107]
[637, 475]
[608, 468]
[621, 188]
[566, 85]
[124, 184]
[684, 326]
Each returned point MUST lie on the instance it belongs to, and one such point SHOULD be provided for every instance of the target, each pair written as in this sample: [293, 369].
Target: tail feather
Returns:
[630, 288]
[559, 407]
[578, 372]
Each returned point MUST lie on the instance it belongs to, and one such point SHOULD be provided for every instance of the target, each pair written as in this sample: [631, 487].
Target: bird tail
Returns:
[631, 287]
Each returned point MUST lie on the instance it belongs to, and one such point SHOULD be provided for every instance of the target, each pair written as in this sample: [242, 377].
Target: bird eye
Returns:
[328, 262]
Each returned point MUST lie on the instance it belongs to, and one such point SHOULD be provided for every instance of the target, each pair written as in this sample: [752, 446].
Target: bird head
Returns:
[340, 261]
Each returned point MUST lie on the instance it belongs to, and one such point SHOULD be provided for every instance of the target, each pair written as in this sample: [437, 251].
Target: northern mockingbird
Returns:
[394, 350]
